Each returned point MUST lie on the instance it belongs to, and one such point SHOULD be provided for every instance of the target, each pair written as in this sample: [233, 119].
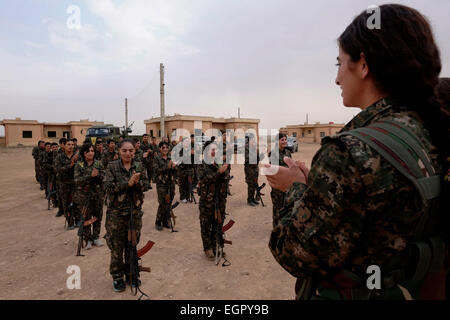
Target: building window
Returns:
[303, 134]
[51, 134]
[159, 133]
[27, 134]
[294, 134]
[66, 134]
[322, 134]
[309, 131]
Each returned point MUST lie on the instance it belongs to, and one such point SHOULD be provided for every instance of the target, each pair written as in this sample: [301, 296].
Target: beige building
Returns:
[312, 133]
[29, 132]
[190, 123]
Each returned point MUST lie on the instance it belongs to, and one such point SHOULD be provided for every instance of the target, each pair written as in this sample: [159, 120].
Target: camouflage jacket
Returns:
[162, 173]
[139, 156]
[282, 153]
[249, 161]
[36, 152]
[84, 182]
[64, 168]
[210, 179]
[117, 189]
[47, 162]
[357, 210]
[108, 156]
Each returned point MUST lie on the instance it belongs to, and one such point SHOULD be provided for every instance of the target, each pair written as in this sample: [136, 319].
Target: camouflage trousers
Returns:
[251, 178]
[183, 182]
[66, 191]
[278, 198]
[208, 225]
[37, 170]
[117, 240]
[95, 210]
[162, 218]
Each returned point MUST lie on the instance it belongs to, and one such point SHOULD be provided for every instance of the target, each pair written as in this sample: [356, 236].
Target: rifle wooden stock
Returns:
[144, 269]
[227, 241]
[90, 221]
[145, 248]
[228, 226]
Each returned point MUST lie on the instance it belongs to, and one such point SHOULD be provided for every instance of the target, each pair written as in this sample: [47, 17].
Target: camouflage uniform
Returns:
[47, 170]
[165, 184]
[58, 179]
[108, 156]
[251, 171]
[88, 186]
[149, 163]
[211, 181]
[118, 212]
[278, 197]
[185, 172]
[357, 209]
[37, 167]
[66, 183]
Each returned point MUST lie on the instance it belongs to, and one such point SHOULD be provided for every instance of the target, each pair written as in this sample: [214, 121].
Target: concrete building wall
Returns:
[187, 122]
[58, 129]
[14, 133]
[312, 133]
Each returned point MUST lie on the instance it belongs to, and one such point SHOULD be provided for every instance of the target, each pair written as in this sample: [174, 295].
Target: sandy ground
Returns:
[36, 250]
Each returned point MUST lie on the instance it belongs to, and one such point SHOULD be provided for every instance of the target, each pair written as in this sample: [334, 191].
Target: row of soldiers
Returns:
[89, 175]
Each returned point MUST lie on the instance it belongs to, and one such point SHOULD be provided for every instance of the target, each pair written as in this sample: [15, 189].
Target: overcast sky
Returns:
[274, 59]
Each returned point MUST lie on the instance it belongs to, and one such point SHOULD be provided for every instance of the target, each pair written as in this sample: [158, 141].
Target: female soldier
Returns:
[359, 206]
[89, 174]
[164, 169]
[278, 197]
[125, 183]
[213, 180]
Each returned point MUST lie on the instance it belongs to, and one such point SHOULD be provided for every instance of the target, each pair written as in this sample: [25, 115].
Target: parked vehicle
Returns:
[107, 131]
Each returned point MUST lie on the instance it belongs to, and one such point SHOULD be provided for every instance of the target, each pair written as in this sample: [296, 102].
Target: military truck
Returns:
[106, 131]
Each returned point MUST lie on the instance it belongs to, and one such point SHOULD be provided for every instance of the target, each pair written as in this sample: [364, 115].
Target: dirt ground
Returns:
[36, 250]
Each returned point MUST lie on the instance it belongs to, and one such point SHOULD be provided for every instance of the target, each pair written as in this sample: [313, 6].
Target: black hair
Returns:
[145, 135]
[163, 143]
[136, 140]
[97, 142]
[127, 140]
[48, 144]
[85, 148]
[54, 144]
[281, 136]
[63, 141]
[74, 139]
[40, 141]
[111, 140]
[192, 135]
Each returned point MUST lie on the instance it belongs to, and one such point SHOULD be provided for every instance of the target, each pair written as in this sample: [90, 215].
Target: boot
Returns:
[209, 254]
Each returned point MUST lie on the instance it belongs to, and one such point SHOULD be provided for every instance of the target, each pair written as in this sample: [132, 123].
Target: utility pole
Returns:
[161, 72]
[306, 118]
[126, 114]
[239, 113]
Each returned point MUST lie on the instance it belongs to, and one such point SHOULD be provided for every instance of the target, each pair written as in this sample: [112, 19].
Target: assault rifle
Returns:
[170, 216]
[219, 230]
[259, 194]
[69, 215]
[50, 194]
[83, 236]
[191, 190]
[169, 213]
[134, 254]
